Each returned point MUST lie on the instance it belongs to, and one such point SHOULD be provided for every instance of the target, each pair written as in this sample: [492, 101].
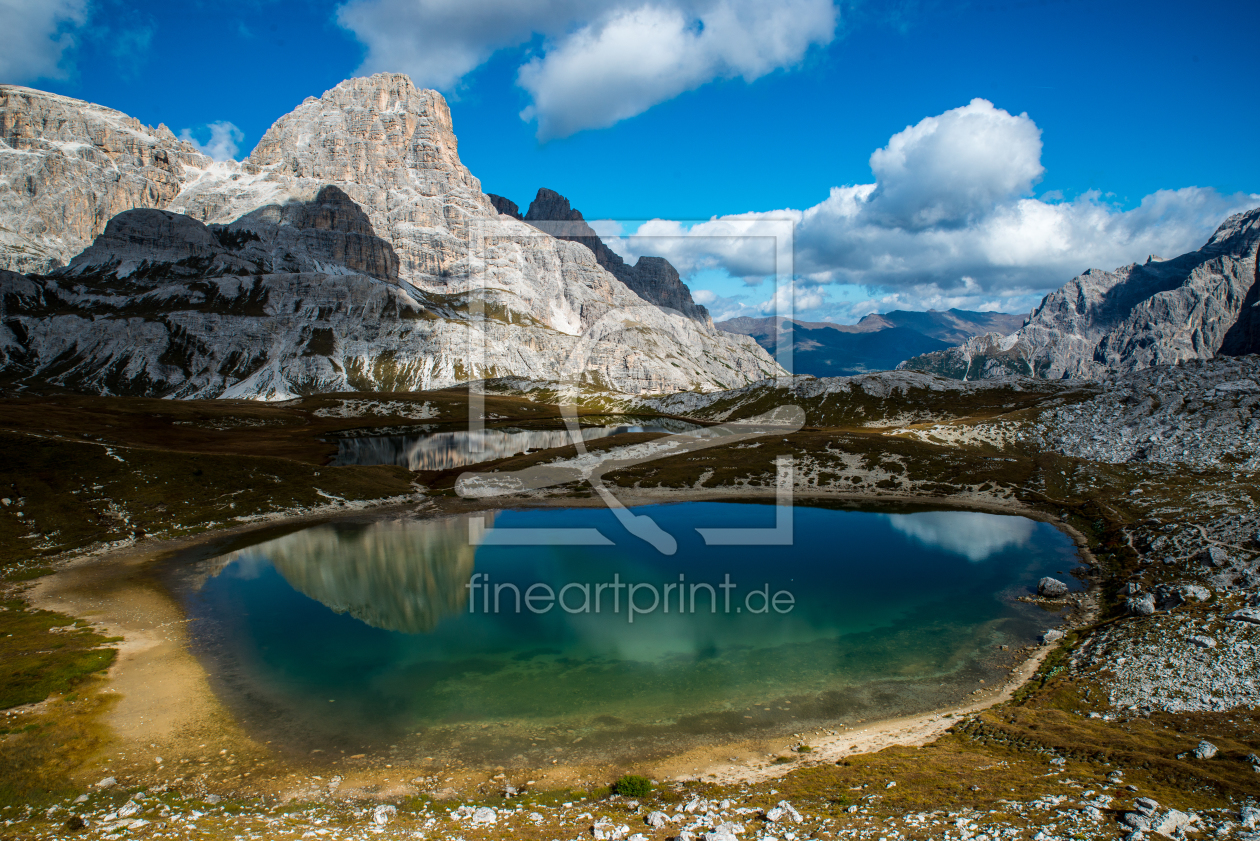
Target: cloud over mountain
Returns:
[950, 220]
[224, 142]
[600, 61]
[36, 36]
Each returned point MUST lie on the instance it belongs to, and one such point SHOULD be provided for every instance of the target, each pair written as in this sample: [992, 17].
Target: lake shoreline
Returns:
[166, 707]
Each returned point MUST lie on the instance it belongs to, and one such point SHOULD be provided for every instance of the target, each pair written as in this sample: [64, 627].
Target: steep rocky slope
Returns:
[652, 278]
[351, 250]
[67, 167]
[1157, 313]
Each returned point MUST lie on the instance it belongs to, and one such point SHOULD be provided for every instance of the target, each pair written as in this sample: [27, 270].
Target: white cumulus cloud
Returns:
[950, 169]
[950, 220]
[636, 57]
[600, 61]
[222, 145]
[793, 297]
[36, 36]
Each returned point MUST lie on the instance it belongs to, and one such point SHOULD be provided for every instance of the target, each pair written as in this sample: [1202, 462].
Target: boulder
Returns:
[1137, 821]
[1052, 636]
[1247, 614]
[1141, 605]
[1051, 588]
[382, 815]
[1213, 556]
[1194, 592]
[1205, 750]
[1146, 806]
[1171, 822]
[656, 820]
[783, 811]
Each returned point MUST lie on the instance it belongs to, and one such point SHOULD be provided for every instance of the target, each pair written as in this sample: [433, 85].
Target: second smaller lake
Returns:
[447, 450]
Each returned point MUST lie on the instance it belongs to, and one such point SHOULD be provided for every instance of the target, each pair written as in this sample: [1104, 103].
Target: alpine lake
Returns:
[400, 633]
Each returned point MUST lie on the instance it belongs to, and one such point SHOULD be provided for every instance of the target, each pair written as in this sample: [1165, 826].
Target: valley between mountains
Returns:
[186, 345]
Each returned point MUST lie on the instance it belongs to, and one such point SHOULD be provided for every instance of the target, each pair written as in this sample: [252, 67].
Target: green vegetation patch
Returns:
[43, 653]
[633, 785]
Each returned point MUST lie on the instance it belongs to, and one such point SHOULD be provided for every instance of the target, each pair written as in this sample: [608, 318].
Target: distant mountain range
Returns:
[879, 342]
[1199, 305]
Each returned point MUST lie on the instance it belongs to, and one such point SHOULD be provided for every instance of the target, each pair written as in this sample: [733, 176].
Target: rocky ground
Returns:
[1074, 809]
[1199, 413]
[1140, 723]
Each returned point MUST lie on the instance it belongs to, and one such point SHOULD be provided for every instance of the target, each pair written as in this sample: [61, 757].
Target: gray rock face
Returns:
[505, 207]
[1244, 337]
[67, 167]
[367, 260]
[329, 232]
[1138, 316]
[652, 278]
[1051, 588]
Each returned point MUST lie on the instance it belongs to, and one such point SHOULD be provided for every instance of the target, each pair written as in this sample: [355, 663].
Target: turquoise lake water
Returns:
[356, 636]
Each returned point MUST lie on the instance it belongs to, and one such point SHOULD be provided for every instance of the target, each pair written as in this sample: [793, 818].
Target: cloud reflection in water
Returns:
[971, 534]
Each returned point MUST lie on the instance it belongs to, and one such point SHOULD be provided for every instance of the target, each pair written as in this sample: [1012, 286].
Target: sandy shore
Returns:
[170, 726]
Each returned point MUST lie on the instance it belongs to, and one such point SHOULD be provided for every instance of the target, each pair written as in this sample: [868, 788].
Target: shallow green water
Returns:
[348, 637]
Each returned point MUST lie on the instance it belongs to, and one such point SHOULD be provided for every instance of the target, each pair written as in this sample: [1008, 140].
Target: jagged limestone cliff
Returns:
[1161, 312]
[350, 250]
[652, 278]
[67, 167]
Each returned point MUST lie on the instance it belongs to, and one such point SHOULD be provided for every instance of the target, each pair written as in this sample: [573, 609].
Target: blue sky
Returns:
[1122, 101]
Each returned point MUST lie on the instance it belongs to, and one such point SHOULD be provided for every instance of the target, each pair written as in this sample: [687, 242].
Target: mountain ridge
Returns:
[1161, 312]
[878, 342]
[369, 260]
[653, 278]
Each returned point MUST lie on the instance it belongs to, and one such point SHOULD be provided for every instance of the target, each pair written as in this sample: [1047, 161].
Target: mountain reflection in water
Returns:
[389, 574]
[446, 450]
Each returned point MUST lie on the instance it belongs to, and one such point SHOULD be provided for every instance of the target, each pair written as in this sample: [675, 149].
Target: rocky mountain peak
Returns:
[653, 279]
[550, 206]
[67, 167]
[380, 130]
[387, 145]
[504, 206]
